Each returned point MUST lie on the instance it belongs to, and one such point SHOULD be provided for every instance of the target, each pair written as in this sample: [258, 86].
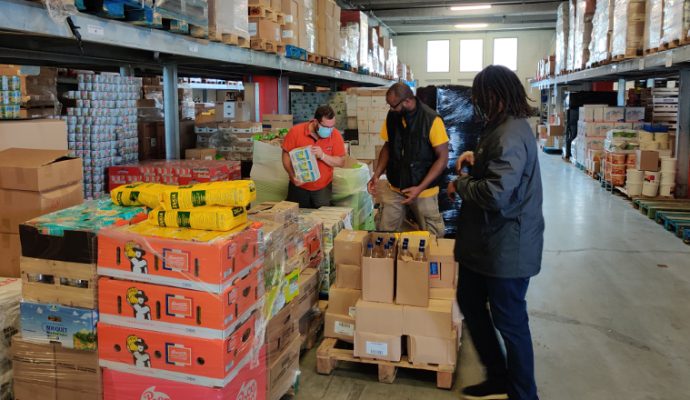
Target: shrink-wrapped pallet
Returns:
[583, 32]
[562, 30]
[676, 18]
[602, 22]
[628, 28]
[654, 23]
[570, 53]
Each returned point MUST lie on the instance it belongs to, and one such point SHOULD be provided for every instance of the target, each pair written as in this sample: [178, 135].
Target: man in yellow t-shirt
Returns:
[413, 158]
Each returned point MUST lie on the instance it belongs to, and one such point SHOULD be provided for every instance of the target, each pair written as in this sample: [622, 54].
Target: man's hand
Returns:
[295, 181]
[371, 186]
[318, 152]
[465, 158]
[411, 193]
[452, 192]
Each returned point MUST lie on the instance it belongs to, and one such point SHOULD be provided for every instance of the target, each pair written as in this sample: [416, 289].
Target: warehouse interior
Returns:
[164, 164]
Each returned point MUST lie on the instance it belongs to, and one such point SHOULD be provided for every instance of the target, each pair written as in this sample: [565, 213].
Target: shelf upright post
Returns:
[621, 92]
[171, 112]
[683, 134]
[283, 94]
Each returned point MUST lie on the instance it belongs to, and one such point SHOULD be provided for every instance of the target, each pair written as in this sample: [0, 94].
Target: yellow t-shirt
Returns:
[437, 136]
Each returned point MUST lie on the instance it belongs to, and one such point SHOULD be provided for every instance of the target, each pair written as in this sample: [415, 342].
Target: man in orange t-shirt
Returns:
[329, 149]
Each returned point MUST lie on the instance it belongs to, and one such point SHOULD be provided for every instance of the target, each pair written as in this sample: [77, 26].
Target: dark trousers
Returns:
[309, 198]
[506, 298]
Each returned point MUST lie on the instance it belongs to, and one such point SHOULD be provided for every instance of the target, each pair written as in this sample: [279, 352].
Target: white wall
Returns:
[532, 46]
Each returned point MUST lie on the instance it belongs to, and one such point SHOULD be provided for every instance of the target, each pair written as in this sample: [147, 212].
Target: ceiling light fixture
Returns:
[471, 26]
[471, 7]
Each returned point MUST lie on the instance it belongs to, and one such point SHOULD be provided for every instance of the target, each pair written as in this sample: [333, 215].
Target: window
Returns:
[471, 55]
[505, 52]
[438, 56]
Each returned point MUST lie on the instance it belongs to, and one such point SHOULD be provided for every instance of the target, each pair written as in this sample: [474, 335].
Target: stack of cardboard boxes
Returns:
[328, 29]
[371, 112]
[32, 183]
[55, 355]
[10, 294]
[181, 172]
[377, 302]
[227, 22]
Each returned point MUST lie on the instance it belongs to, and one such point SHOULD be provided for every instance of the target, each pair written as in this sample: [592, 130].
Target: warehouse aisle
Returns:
[609, 312]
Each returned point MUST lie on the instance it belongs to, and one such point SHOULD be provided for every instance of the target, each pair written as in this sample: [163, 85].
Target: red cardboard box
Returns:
[178, 172]
[248, 384]
[180, 311]
[205, 362]
[207, 261]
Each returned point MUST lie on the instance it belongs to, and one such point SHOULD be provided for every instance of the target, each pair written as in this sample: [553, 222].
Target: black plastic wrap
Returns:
[454, 105]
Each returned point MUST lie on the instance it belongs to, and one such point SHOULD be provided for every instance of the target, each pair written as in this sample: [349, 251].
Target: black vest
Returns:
[410, 152]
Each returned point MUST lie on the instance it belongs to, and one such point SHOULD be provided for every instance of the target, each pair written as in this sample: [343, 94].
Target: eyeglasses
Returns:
[399, 103]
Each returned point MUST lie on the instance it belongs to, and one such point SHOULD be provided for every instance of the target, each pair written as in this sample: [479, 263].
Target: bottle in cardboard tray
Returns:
[406, 254]
[421, 254]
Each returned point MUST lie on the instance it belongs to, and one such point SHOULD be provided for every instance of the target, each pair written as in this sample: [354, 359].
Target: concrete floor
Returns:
[610, 311]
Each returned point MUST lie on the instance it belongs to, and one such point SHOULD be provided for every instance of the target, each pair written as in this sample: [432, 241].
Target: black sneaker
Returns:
[485, 391]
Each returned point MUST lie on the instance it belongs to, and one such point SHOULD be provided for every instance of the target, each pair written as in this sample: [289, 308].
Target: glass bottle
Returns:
[421, 254]
[405, 254]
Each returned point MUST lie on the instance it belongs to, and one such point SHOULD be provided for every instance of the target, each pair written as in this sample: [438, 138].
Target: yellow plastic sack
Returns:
[203, 218]
[138, 194]
[227, 194]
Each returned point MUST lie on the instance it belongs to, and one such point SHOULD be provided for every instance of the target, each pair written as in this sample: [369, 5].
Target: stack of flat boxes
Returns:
[239, 136]
[10, 294]
[334, 219]
[181, 310]
[290, 250]
[595, 121]
[371, 113]
[102, 125]
[55, 355]
[290, 29]
[399, 299]
[32, 183]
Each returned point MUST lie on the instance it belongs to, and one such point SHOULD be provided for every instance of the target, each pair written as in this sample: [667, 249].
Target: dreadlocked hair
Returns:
[498, 92]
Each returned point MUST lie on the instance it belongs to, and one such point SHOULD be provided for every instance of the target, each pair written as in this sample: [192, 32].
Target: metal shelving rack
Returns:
[675, 62]
[28, 35]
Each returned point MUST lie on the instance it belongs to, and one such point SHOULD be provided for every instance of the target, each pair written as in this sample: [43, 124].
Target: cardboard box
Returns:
[443, 294]
[647, 160]
[74, 328]
[281, 331]
[277, 121]
[20, 206]
[10, 248]
[200, 154]
[208, 362]
[412, 283]
[199, 260]
[348, 276]
[377, 346]
[70, 284]
[265, 29]
[378, 276]
[379, 317]
[343, 301]
[339, 327]
[430, 350]
[556, 130]
[48, 134]
[180, 311]
[634, 114]
[38, 170]
[443, 268]
[308, 292]
[282, 372]
[349, 247]
[28, 390]
[249, 383]
[433, 321]
[613, 114]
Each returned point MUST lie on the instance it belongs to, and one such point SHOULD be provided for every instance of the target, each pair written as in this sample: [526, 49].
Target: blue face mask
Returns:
[324, 132]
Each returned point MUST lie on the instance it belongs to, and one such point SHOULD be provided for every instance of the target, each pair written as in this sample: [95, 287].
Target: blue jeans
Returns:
[508, 315]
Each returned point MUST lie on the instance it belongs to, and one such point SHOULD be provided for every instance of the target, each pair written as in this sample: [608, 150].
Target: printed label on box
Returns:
[342, 328]
[178, 306]
[252, 29]
[352, 311]
[288, 34]
[178, 355]
[377, 349]
[434, 270]
[175, 260]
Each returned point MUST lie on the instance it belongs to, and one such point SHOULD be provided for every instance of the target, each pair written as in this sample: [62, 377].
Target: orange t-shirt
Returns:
[334, 145]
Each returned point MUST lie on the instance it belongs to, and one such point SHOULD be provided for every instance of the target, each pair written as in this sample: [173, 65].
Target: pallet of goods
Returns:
[10, 295]
[602, 27]
[227, 23]
[627, 40]
[654, 21]
[562, 30]
[584, 14]
[676, 22]
[393, 287]
[265, 32]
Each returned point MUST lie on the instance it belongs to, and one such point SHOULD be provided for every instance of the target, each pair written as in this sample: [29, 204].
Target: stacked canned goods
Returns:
[102, 125]
[10, 96]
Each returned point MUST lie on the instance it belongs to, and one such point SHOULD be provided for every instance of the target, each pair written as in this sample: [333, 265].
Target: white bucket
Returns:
[668, 164]
[650, 189]
[633, 189]
[635, 176]
[668, 178]
[666, 190]
[646, 136]
[651, 176]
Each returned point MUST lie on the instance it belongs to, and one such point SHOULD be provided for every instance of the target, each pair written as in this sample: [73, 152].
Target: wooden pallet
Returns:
[651, 51]
[313, 58]
[213, 35]
[331, 351]
[280, 18]
[263, 12]
[267, 46]
[331, 62]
